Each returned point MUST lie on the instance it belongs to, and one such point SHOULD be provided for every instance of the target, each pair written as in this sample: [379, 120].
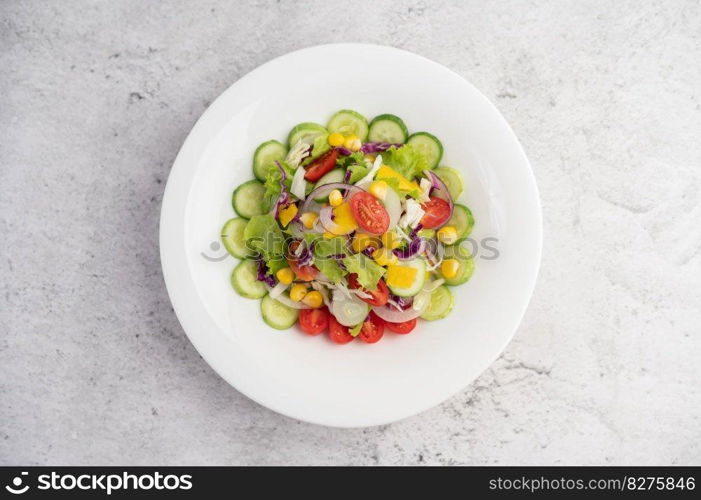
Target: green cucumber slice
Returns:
[265, 157]
[306, 132]
[420, 265]
[335, 175]
[465, 269]
[248, 199]
[348, 122]
[429, 146]
[452, 180]
[441, 304]
[462, 220]
[276, 314]
[388, 128]
[233, 240]
[244, 279]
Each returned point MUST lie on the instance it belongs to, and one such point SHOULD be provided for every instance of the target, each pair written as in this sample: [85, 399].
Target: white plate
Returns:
[310, 378]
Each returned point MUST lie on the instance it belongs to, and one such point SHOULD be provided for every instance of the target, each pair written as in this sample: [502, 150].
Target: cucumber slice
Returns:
[335, 175]
[388, 128]
[245, 282]
[276, 314]
[466, 265]
[441, 304]
[452, 180]
[429, 146]
[265, 157]
[248, 199]
[348, 122]
[306, 132]
[232, 237]
[417, 283]
[462, 220]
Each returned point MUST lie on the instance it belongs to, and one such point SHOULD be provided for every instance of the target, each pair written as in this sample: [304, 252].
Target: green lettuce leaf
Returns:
[369, 273]
[272, 185]
[406, 160]
[357, 173]
[264, 236]
[355, 331]
[320, 146]
[323, 249]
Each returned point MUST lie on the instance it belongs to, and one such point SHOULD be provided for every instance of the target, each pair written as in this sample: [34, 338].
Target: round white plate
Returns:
[310, 378]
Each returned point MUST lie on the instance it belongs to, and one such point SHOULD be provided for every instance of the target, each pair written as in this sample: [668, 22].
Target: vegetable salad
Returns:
[352, 228]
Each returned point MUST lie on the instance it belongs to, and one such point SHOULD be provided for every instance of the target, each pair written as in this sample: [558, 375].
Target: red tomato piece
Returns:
[325, 163]
[379, 296]
[337, 332]
[369, 213]
[372, 330]
[403, 327]
[314, 321]
[304, 273]
[437, 213]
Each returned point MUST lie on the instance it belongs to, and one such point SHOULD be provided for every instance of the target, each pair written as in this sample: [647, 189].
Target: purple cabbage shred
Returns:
[344, 151]
[263, 273]
[377, 147]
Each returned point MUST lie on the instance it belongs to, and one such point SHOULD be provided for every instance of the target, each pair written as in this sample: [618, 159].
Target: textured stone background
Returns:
[97, 97]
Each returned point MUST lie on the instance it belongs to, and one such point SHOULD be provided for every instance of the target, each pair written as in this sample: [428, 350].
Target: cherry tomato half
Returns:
[372, 330]
[325, 163]
[379, 296]
[437, 213]
[304, 273]
[337, 332]
[369, 213]
[314, 321]
[403, 327]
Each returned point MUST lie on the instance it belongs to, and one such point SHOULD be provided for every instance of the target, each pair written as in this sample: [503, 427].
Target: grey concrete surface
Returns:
[97, 97]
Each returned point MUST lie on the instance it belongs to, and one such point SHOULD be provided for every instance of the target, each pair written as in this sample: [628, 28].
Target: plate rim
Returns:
[197, 139]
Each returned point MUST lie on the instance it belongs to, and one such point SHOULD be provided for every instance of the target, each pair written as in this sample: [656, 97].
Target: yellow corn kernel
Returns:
[391, 240]
[308, 219]
[370, 158]
[313, 299]
[449, 268]
[353, 143]
[384, 257]
[328, 235]
[297, 292]
[285, 215]
[335, 198]
[336, 139]
[447, 235]
[378, 189]
[285, 275]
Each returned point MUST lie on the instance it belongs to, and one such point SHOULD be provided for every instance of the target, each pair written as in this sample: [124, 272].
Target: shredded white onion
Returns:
[360, 293]
[277, 290]
[367, 180]
[299, 185]
[298, 152]
[401, 233]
